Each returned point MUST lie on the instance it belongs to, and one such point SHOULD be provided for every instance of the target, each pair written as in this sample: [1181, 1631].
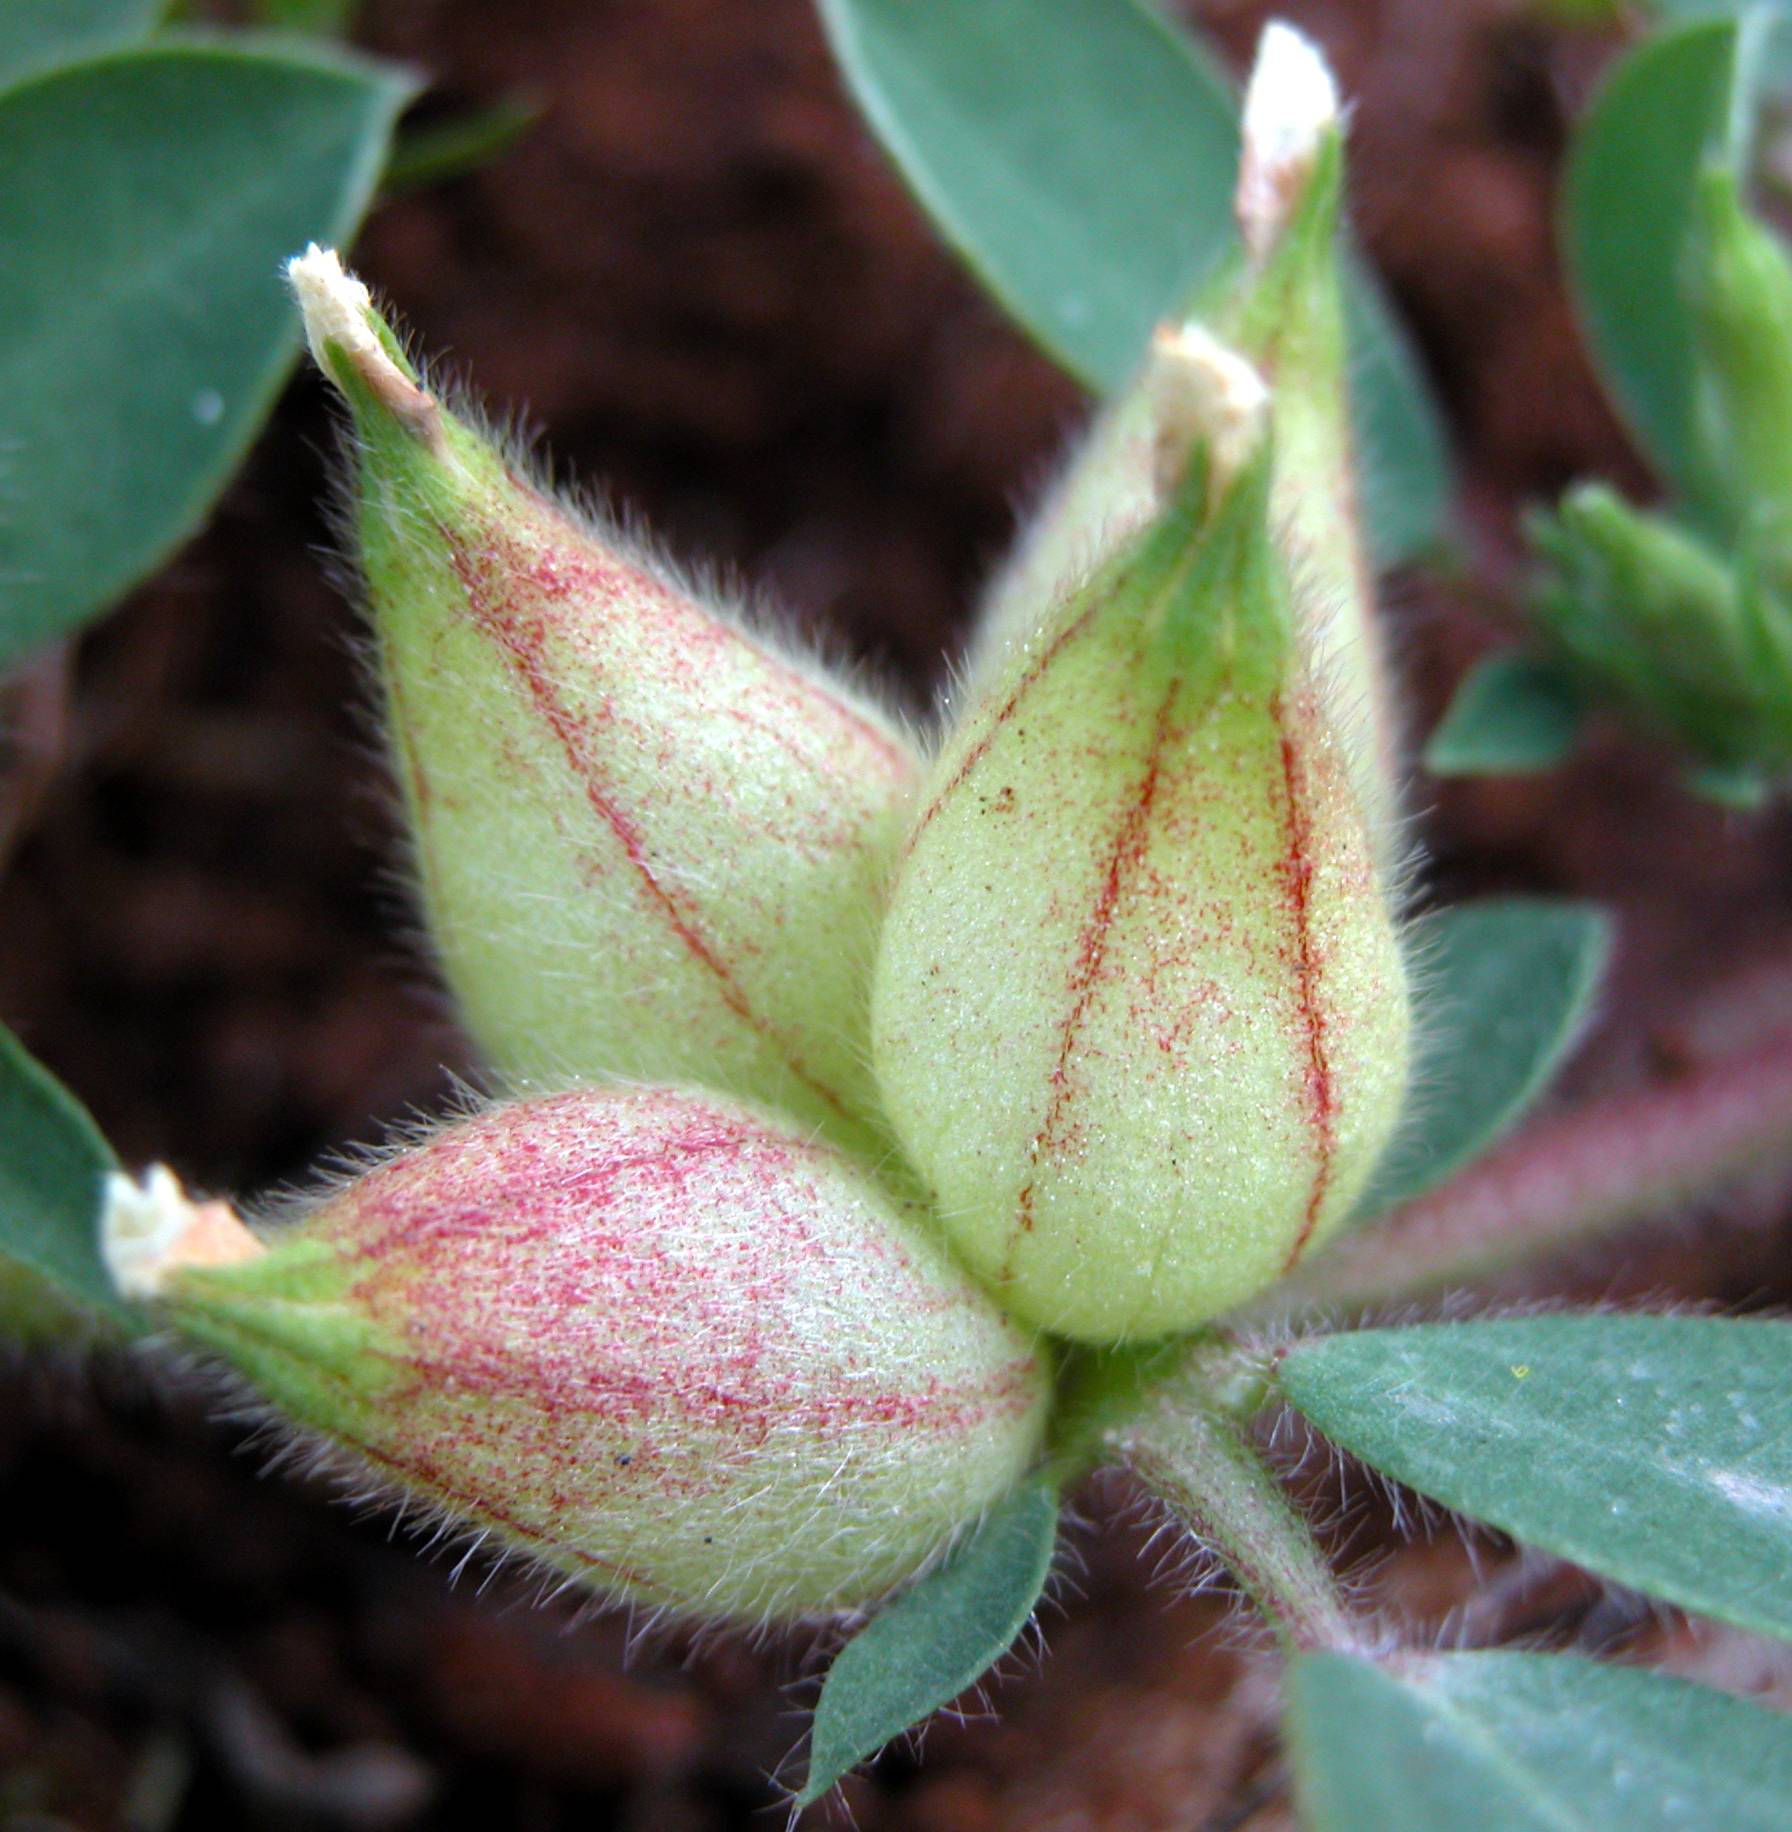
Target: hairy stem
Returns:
[1562, 1182]
[1175, 1423]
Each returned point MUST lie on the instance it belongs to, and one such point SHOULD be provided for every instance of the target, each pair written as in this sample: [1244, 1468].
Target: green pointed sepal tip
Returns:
[1299, 266]
[288, 1322]
[403, 426]
[1232, 600]
[1203, 582]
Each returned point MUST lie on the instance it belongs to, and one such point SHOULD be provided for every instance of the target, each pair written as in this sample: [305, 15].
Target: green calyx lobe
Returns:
[425, 458]
[427, 467]
[1283, 311]
[1288, 313]
[1201, 600]
[1287, 316]
[288, 1323]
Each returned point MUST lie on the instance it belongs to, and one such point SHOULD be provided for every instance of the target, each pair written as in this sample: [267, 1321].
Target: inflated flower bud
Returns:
[1281, 306]
[1139, 1014]
[681, 1353]
[648, 843]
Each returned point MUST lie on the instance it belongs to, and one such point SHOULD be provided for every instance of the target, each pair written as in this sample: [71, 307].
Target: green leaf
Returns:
[935, 1640]
[1080, 155]
[1404, 461]
[1627, 207]
[38, 32]
[149, 201]
[1653, 1450]
[1776, 53]
[447, 149]
[1512, 714]
[1529, 1743]
[53, 1165]
[1736, 786]
[1503, 987]
[1591, 13]
[326, 18]
[33, 1312]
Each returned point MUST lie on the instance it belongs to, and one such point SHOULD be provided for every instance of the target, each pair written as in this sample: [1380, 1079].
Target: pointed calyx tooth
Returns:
[341, 326]
[1289, 106]
[1208, 395]
[151, 1229]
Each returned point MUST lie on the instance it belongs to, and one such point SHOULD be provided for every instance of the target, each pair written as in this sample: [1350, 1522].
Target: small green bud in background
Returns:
[1139, 1014]
[679, 1352]
[1739, 289]
[648, 843]
[1686, 624]
[1652, 616]
[1281, 306]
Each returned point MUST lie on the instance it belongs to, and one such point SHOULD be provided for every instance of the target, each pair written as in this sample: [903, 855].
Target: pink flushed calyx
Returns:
[650, 841]
[678, 1351]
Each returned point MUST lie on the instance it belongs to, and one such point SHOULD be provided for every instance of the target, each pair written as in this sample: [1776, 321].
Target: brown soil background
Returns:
[698, 277]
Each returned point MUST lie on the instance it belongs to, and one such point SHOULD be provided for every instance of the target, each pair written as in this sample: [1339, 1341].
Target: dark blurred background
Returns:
[697, 277]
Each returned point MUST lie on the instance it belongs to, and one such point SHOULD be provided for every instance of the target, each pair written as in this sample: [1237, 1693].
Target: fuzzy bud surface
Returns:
[648, 843]
[1140, 1016]
[680, 1353]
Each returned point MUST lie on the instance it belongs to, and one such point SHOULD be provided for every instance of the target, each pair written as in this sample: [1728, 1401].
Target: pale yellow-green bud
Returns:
[648, 842]
[1139, 1015]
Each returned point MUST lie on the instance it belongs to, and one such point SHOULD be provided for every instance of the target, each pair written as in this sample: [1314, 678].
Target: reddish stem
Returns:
[1563, 1181]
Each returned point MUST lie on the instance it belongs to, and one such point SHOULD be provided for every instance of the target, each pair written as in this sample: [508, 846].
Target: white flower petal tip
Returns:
[1290, 104]
[1210, 395]
[340, 318]
[151, 1228]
